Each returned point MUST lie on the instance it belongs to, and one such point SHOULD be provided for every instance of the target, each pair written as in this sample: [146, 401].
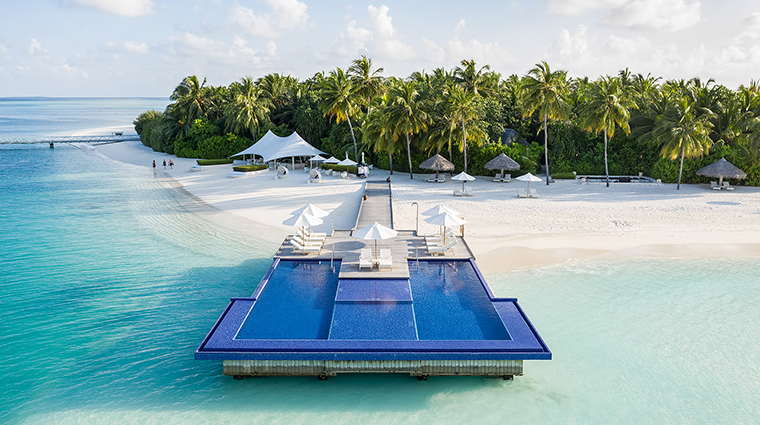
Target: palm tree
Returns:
[406, 114]
[376, 134]
[339, 101]
[248, 108]
[684, 131]
[463, 108]
[478, 81]
[367, 82]
[606, 107]
[190, 101]
[546, 91]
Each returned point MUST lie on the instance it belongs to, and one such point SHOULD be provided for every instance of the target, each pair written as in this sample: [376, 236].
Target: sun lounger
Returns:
[300, 249]
[462, 193]
[431, 180]
[497, 178]
[533, 194]
[714, 186]
[386, 261]
[522, 193]
[507, 178]
[307, 242]
[440, 250]
[365, 259]
[312, 235]
[727, 186]
[344, 175]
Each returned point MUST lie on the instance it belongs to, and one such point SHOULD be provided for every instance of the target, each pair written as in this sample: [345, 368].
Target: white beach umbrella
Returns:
[375, 231]
[464, 178]
[446, 220]
[302, 220]
[440, 208]
[348, 162]
[332, 160]
[312, 210]
[528, 178]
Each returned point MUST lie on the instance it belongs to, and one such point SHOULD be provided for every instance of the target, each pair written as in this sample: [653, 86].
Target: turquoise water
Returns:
[109, 281]
[40, 117]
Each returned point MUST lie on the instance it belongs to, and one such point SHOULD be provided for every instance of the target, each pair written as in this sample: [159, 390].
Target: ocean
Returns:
[109, 280]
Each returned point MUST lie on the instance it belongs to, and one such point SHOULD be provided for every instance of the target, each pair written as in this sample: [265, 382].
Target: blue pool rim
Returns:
[221, 344]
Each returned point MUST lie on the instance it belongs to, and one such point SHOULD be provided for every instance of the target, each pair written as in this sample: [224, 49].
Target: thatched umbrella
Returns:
[722, 169]
[437, 163]
[502, 162]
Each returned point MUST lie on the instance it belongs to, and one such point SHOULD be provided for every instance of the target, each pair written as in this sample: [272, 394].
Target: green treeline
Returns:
[623, 124]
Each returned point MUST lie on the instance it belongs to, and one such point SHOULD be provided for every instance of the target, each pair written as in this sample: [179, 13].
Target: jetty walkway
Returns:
[70, 139]
[342, 246]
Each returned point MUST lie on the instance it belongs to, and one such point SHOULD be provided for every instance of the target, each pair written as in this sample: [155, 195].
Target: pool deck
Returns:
[344, 247]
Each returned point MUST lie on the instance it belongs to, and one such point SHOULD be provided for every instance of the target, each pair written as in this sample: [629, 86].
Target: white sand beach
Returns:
[568, 222]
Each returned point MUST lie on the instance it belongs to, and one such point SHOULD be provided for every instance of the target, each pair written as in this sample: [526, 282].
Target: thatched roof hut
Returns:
[502, 162]
[437, 163]
[722, 169]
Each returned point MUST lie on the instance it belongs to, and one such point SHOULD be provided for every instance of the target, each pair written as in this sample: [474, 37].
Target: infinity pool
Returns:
[303, 318]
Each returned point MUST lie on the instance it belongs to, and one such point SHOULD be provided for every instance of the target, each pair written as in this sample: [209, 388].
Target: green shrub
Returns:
[340, 168]
[254, 167]
[563, 175]
[213, 161]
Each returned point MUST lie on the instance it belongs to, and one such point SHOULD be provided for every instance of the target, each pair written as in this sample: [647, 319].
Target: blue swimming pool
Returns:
[296, 303]
[303, 312]
[450, 303]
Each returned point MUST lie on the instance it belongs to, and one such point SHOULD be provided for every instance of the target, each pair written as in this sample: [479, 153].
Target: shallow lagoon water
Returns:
[110, 280]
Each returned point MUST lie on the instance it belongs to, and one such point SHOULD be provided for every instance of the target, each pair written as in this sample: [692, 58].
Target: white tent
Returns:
[271, 147]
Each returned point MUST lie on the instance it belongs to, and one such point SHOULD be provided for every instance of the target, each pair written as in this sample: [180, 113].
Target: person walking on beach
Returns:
[154, 165]
[171, 164]
[164, 164]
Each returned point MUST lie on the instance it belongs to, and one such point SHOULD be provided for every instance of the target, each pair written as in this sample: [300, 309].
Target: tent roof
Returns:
[271, 146]
[722, 168]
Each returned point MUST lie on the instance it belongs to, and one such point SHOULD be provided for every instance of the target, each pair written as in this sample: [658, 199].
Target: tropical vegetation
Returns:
[622, 124]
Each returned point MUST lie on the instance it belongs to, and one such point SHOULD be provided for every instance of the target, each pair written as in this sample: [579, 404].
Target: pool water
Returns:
[442, 300]
[451, 304]
[296, 303]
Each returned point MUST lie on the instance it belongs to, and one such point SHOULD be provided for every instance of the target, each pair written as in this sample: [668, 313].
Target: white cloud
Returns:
[578, 7]
[134, 47]
[35, 46]
[753, 20]
[353, 40]
[570, 47]
[238, 53]
[271, 48]
[286, 15]
[386, 44]
[381, 42]
[668, 15]
[457, 49]
[119, 7]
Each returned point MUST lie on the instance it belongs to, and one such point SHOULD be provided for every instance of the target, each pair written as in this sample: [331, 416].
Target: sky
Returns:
[146, 47]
